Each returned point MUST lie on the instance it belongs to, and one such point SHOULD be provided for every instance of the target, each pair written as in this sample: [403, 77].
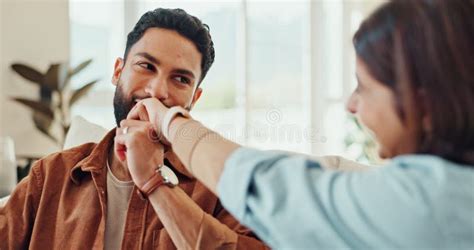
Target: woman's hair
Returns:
[424, 51]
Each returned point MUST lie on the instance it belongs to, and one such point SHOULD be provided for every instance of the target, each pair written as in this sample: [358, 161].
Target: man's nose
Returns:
[158, 88]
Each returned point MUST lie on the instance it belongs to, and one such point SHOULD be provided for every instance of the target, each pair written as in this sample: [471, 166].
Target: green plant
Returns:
[51, 113]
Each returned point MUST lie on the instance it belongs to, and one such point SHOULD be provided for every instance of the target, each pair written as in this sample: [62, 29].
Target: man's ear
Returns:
[117, 70]
[197, 95]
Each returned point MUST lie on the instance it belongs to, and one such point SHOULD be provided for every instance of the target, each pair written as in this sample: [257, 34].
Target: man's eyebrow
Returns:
[148, 57]
[184, 72]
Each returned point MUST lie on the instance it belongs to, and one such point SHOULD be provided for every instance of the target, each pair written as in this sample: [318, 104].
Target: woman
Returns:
[415, 70]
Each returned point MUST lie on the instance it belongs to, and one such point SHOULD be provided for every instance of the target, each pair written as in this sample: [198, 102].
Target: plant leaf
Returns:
[46, 132]
[28, 72]
[56, 76]
[76, 70]
[36, 106]
[79, 68]
[79, 93]
[42, 120]
[43, 124]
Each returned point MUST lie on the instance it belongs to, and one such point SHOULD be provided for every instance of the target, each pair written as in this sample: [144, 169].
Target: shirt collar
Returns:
[96, 160]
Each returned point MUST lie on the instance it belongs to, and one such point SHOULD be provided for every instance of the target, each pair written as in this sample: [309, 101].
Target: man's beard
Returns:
[122, 104]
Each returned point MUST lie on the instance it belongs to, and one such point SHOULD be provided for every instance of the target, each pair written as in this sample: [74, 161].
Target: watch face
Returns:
[169, 176]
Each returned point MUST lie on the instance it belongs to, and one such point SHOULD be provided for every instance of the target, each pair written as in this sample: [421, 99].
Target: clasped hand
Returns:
[138, 140]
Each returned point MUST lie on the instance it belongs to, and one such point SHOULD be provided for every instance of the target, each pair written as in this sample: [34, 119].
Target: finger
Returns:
[152, 106]
[132, 139]
[122, 139]
[138, 112]
[124, 144]
[134, 124]
[120, 145]
[142, 126]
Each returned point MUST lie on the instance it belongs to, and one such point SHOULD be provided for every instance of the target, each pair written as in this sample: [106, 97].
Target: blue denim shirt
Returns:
[417, 201]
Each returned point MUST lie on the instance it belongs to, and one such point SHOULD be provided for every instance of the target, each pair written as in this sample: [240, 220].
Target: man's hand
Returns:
[150, 109]
[132, 143]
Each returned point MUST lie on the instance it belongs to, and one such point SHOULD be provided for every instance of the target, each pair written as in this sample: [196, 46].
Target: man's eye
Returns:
[182, 79]
[146, 66]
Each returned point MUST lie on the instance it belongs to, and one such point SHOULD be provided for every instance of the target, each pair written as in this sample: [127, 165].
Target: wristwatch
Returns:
[163, 176]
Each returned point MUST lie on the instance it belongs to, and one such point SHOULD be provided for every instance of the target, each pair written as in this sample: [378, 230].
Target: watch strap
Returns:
[155, 181]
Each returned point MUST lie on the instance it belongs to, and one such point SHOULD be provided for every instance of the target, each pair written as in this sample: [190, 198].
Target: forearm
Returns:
[180, 216]
[186, 223]
[202, 151]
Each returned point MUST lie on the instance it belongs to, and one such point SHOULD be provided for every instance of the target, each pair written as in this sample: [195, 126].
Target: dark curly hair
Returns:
[186, 25]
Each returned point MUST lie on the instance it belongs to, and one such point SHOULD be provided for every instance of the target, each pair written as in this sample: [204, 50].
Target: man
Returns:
[85, 198]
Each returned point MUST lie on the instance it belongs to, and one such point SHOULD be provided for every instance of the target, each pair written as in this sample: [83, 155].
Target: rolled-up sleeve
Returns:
[291, 202]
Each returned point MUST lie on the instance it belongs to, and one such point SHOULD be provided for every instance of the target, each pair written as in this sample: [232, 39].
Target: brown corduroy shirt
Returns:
[61, 204]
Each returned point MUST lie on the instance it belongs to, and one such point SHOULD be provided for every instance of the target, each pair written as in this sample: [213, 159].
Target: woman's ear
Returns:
[118, 66]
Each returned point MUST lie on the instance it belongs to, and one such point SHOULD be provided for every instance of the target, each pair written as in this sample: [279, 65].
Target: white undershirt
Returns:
[118, 197]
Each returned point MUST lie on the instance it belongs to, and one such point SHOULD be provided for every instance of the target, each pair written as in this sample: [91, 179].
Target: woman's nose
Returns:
[351, 104]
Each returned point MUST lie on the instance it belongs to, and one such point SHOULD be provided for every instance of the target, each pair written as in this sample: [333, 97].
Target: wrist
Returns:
[144, 175]
[149, 186]
[159, 119]
[162, 176]
[174, 128]
[141, 181]
[171, 117]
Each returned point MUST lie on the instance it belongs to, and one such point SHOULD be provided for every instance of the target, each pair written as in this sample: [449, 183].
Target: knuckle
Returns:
[123, 122]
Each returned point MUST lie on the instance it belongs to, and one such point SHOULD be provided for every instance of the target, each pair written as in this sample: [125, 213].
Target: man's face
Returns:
[162, 64]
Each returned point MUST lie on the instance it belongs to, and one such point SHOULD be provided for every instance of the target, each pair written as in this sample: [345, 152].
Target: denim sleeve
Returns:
[291, 202]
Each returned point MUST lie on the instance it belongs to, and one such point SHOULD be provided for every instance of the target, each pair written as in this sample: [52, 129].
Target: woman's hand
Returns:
[133, 145]
[150, 109]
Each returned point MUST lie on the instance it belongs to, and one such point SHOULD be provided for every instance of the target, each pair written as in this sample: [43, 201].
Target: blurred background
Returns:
[282, 73]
